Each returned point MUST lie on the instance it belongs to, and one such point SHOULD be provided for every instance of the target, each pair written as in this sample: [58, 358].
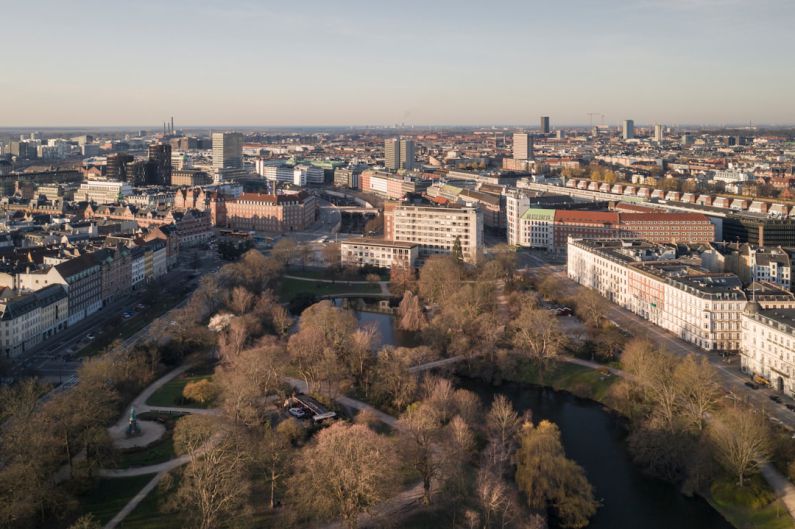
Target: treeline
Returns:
[685, 427]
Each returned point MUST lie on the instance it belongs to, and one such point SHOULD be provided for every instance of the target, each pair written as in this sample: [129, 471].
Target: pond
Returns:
[384, 323]
[596, 440]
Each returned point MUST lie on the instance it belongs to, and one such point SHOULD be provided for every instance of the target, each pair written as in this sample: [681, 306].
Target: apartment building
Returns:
[268, 213]
[82, 278]
[435, 229]
[768, 345]
[28, 318]
[700, 307]
[378, 252]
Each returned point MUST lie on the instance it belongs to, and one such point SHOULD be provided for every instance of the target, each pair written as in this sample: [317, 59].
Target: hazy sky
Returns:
[325, 62]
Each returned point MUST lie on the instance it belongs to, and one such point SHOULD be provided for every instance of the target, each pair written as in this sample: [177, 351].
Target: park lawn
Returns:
[109, 496]
[158, 452]
[291, 288]
[170, 394]
[579, 380]
[335, 274]
[753, 506]
[150, 515]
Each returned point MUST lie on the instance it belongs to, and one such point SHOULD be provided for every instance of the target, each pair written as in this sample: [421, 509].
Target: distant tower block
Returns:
[545, 125]
[629, 129]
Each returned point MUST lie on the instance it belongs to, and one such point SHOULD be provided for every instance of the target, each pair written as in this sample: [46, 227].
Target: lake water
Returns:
[596, 439]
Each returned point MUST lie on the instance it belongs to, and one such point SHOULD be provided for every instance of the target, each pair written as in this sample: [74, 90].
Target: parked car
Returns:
[790, 407]
[298, 413]
[90, 336]
[127, 315]
[752, 385]
[776, 398]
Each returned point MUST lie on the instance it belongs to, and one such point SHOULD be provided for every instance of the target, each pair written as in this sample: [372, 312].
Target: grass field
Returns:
[149, 515]
[290, 288]
[158, 452]
[171, 393]
[752, 506]
[581, 381]
[109, 496]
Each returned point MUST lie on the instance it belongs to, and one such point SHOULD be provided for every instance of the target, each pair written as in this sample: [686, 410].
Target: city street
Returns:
[57, 360]
[540, 264]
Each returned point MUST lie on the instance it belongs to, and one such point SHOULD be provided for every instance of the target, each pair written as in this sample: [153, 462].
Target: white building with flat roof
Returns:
[378, 252]
[103, 191]
[435, 229]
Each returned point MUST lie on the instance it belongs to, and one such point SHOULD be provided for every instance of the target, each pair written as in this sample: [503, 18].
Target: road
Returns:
[57, 360]
[731, 377]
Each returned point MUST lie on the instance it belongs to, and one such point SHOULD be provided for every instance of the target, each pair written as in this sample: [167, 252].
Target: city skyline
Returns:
[711, 62]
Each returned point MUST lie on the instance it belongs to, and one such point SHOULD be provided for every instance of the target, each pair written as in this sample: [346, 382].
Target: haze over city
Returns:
[421, 264]
[92, 63]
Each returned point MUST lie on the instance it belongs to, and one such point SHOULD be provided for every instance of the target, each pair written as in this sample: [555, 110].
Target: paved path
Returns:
[133, 503]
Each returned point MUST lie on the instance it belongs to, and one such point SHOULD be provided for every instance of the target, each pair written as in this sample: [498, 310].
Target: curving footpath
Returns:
[161, 469]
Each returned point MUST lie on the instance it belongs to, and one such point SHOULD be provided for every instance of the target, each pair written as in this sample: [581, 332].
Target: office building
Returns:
[522, 146]
[227, 153]
[399, 154]
[629, 129]
[378, 252]
[103, 192]
[545, 125]
[436, 229]
[158, 171]
[392, 154]
[407, 155]
[189, 177]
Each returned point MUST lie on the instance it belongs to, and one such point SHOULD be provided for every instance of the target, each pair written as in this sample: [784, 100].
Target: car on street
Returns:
[127, 315]
[776, 398]
[790, 407]
[91, 336]
[752, 385]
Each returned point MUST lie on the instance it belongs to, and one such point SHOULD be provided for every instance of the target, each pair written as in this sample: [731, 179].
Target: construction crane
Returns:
[601, 116]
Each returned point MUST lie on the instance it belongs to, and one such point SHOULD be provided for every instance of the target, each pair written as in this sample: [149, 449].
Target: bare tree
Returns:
[357, 472]
[401, 278]
[537, 334]
[215, 483]
[410, 314]
[420, 441]
[550, 287]
[283, 250]
[742, 441]
[699, 390]
[590, 307]
[440, 277]
[502, 428]
[247, 379]
[241, 300]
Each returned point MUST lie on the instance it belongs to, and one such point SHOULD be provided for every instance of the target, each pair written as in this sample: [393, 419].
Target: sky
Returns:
[417, 62]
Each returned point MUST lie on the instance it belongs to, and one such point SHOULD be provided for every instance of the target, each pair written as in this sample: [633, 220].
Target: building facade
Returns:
[379, 253]
[436, 229]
